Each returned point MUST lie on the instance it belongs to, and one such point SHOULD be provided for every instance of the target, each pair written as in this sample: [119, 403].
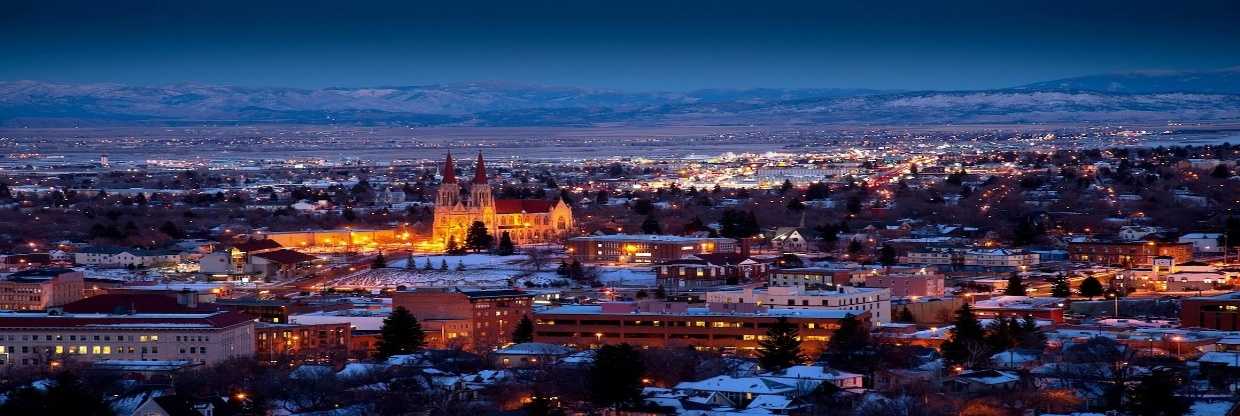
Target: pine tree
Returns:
[477, 238]
[660, 292]
[576, 271]
[1156, 395]
[906, 316]
[379, 263]
[524, 331]
[443, 265]
[1060, 288]
[967, 337]
[428, 265]
[1015, 286]
[453, 247]
[887, 255]
[1091, 287]
[460, 265]
[505, 247]
[401, 334]
[651, 226]
[781, 348]
[615, 378]
[849, 345]
[563, 269]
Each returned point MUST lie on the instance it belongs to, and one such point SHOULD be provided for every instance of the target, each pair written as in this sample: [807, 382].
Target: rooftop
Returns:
[702, 311]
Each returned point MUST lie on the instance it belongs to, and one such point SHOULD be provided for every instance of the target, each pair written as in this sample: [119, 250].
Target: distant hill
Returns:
[1212, 95]
[1223, 81]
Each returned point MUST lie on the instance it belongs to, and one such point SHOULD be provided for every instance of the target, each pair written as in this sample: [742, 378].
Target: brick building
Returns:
[717, 326]
[326, 342]
[1221, 312]
[477, 320]
[643, 248]
[1128, 253]
[38, 289]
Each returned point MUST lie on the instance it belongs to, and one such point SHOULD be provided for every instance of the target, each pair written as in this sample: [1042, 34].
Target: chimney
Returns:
[745, 247]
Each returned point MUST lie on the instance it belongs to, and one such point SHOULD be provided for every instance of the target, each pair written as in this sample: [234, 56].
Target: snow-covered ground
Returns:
[481, 270]
[626, 275]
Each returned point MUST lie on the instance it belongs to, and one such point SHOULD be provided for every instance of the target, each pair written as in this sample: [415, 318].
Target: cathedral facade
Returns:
[525, 220]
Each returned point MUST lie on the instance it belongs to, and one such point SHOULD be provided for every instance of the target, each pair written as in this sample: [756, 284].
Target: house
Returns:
[1204, 242]
[983, 381]
[736, 392]
[707, 271]
[528, 354]
[793, 239]
[173, 406]
[280, 264]
[123, 257]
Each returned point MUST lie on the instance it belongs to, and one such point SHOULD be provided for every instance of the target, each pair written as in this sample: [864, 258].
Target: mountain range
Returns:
[1136, 97]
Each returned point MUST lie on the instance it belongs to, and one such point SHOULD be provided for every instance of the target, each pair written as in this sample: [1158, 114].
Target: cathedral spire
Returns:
[449, 171]
[480, 171]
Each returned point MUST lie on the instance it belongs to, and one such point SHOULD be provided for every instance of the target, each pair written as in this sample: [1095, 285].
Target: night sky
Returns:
[629, 45]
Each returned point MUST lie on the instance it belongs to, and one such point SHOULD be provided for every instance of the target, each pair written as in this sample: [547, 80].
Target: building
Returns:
[1050, 309]
[1128, 253]
[902, 282]
[732, 327]
[1204, 242]
[1221, 312]
[44, 339]
[301, 342]
[525, 221]
[528, 354]
[477, 320]
[280, 264]
[263, 258]
[999, 258]
[38, 289]
[876, 301]
[124, 257]
[810, 277]
[644, 248]
[793, 239]
[706, 271]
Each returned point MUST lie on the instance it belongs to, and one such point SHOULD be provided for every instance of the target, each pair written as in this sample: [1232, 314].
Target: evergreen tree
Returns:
[849, 345]
[380, 262]
[1091, 287]
[906, 316]
[428, 265]
[887, 255]
[443, 265]
[563, 269]
[660, 292]
[1015, 286]
[615, 378]
[795, 205]
[967, 339]
[453, 247]
[171, 230]
[401, 334]
[787, 186]
[1060, 288]
[477, 238]
[781, 348]
[1155, 395]
[576, 271]
[1220, 172]
[651, 226]
[524, 331]
[505, 247]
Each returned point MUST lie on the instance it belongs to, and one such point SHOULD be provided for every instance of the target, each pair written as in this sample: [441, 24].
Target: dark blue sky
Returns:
[632, 45]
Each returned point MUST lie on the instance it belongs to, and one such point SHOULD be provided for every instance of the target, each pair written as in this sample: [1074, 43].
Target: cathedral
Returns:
[525, 220]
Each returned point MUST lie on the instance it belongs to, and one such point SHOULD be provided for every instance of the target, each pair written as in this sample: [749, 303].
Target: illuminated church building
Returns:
[525, 220]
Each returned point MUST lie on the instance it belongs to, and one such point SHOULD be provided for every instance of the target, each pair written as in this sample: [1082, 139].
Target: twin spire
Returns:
[480, 170]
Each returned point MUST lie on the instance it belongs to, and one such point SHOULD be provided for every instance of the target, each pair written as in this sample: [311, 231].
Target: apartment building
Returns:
[876, 301]
[1128, 253]
[48, 339]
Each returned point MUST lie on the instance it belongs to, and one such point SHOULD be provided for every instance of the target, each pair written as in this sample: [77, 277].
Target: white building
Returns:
[877, 301]
[1204, 242]
[120, 257]
[1000, 257]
